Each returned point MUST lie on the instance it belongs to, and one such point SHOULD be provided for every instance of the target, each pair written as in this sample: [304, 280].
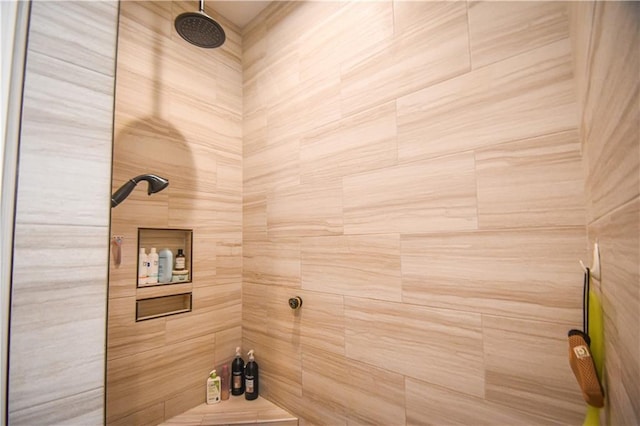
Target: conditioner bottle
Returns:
[152, 270]
[237, 374]
[251, 378]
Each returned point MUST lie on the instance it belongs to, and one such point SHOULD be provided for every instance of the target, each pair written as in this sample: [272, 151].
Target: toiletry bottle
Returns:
[251, 378]
[165, 266]
[224, 383]
[142, 266]
[180, 260]
[213, 388]
[152, 270]
[237, 374]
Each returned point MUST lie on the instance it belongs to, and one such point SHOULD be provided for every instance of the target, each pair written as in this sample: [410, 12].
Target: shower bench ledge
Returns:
[235, 411]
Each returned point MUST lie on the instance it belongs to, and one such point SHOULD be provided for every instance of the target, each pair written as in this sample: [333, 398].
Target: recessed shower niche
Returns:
[166, 290]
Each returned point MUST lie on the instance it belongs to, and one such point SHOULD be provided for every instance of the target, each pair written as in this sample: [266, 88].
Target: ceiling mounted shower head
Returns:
[199, 29]
[156, 184]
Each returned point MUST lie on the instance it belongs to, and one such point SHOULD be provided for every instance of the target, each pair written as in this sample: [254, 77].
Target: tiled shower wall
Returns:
[606, 40]
[413, 171]
[178, 114]
[59, 283]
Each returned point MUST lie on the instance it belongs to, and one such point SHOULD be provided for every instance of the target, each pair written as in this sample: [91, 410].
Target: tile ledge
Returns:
[235, 411]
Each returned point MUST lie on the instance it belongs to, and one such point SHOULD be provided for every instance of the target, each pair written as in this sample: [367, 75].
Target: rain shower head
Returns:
[156, 184]
[199, 29]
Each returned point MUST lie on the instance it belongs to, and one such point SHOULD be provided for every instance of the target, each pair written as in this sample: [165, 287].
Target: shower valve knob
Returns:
[295, 302]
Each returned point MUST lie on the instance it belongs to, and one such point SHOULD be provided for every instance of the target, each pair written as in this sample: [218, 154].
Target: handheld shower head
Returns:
[156, 184]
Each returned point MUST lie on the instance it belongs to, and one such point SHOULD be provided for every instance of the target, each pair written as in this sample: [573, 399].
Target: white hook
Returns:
[595, 263]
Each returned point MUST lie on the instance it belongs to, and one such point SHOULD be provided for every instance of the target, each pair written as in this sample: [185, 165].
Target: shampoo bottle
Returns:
[142, 266]
[152, 270]
[224, 382]
[237, 374]
[165, 266]
[213, 388]
[251, 378]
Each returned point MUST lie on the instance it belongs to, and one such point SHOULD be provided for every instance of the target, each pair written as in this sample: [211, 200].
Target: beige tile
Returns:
[66, 134]
[339, 383]
[274, 166]
[149, 416]
[84, 408]
[580, 27]
[305, 210]
[184, 402]
[433, 405]
[527, 368]
[272, 262]
[125, 336]
[254, 216]
[182, 366]
[520, 273]
[499, 30]
[354, 265]
[226, 342]
[321, 322]
[76, 32]
[422, 196]
[531, 183]
[229, 261]
[359, 143]
[612, 152]
[435, 50]
[393, 335]
[52, 307]
[524, 96]
[618, 235]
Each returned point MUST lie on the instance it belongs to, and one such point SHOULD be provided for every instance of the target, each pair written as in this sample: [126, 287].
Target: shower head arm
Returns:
[202, 6]
[156, 184]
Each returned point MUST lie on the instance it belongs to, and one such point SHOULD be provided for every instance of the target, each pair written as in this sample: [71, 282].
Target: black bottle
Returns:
[237, 374]
[251, 378]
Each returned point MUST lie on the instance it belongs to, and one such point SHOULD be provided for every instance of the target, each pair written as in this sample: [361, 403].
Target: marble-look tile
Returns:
[524, 96]
[272, 262]
[527, 368]
[305, 210]
[580, 27]
[184, 402]
[618, 235]
[428, 404]
[338, 382]
[443, 347]
[226, 343]
[422, 196]
[612, 109]
[229, 261]
[353, 265]
[358, 143]
[521, 273]
[254, 215]
[66, 134]
[531, 183]
[86, 408]
[83, 34]
[321, 322]
[180, 366]
[410, 60]
[273, 166]
[499, 30]
[53, 306]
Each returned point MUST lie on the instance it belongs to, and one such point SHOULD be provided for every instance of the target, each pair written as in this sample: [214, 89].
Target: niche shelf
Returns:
[174, 240]
[163, 306]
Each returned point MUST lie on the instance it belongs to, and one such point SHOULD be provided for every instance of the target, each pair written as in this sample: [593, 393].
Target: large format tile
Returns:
[80, 33]
[499, 30]
[305, 210]
[423, 196]
[86, 408]
[65, 144]
[55, 305]
[610, 127]
[416, 55]
[362, 393]
[521, 273]
[528, 95]
[618, 235]
[272, 262]
[443, 347]
[527, 368]
[531, 183]
[353, 265]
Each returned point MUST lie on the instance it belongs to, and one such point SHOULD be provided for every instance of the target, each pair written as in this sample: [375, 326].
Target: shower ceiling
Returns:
[239, 12]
